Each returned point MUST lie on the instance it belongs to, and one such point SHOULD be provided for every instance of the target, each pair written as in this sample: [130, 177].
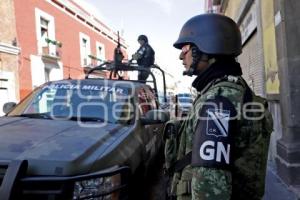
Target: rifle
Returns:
[171, 136]
[118, 56]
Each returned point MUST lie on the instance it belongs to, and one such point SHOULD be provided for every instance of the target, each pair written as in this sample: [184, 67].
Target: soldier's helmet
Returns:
[213, 34]
[143, 37]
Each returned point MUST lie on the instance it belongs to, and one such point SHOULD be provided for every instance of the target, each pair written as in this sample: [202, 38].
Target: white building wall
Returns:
[7, 89]
[57, 72]
[38, 71]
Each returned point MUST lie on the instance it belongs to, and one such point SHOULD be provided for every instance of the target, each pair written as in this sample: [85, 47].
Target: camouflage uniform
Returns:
[224, 151]
[203, 183]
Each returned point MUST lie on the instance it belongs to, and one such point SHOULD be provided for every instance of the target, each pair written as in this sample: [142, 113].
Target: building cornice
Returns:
[8, 48]
[88, 20]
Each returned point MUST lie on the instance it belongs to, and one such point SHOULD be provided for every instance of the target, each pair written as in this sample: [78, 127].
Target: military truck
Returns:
[81, 139]
[184, 103]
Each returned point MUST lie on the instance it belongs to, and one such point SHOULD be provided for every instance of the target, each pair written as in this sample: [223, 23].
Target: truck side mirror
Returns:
[7, 107]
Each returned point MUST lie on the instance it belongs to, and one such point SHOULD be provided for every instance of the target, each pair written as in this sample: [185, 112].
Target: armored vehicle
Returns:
[80, 139]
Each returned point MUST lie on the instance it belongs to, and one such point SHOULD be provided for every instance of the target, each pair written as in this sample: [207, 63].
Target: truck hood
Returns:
[54, 147]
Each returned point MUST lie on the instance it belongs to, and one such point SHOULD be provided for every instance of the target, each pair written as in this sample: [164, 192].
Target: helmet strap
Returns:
[197, 56]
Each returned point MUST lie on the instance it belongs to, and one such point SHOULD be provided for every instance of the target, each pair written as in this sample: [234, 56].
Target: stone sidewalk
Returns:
[275, 188]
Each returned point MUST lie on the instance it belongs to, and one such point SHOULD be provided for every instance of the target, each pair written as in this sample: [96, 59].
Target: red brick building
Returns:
[59, 39]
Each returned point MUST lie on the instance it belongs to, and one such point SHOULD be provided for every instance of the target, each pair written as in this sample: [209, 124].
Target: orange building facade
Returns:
[59, 40]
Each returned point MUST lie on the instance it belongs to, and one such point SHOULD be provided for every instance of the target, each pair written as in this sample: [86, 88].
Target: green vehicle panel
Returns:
[73, 131]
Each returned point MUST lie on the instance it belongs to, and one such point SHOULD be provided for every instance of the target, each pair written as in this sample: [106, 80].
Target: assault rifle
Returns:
[118, 54]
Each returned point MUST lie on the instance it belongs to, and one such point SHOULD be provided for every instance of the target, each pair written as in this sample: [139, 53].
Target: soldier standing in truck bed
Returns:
[144, 56]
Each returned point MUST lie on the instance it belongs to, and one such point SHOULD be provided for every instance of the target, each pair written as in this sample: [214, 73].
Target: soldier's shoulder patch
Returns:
[213, 144]
[217, 122]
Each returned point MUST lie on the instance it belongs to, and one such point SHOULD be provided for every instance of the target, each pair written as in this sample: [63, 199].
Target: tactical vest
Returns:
[250, 163]
[251, 142]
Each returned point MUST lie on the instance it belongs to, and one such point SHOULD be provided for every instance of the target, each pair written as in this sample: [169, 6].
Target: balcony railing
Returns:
[49, 48]
[52, 53]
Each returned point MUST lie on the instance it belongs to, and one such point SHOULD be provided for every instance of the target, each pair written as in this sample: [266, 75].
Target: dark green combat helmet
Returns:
[213, 34]
[143, 37]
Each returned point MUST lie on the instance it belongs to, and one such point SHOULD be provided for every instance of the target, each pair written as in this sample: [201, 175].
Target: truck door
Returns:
[155, 130]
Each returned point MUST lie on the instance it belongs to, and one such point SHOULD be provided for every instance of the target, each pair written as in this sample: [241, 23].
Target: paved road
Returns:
[156, 183]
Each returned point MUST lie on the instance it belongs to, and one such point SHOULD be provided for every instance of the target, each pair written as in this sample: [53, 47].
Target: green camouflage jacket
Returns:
[242, 176]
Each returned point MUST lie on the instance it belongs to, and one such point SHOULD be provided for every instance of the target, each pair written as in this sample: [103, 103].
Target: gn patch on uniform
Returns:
[217, 122]
[213, 145]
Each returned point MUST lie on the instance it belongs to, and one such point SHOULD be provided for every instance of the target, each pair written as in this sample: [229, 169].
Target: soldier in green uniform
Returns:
[223, 143]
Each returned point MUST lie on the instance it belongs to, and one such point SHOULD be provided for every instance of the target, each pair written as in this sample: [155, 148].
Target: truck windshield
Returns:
[79, 102]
